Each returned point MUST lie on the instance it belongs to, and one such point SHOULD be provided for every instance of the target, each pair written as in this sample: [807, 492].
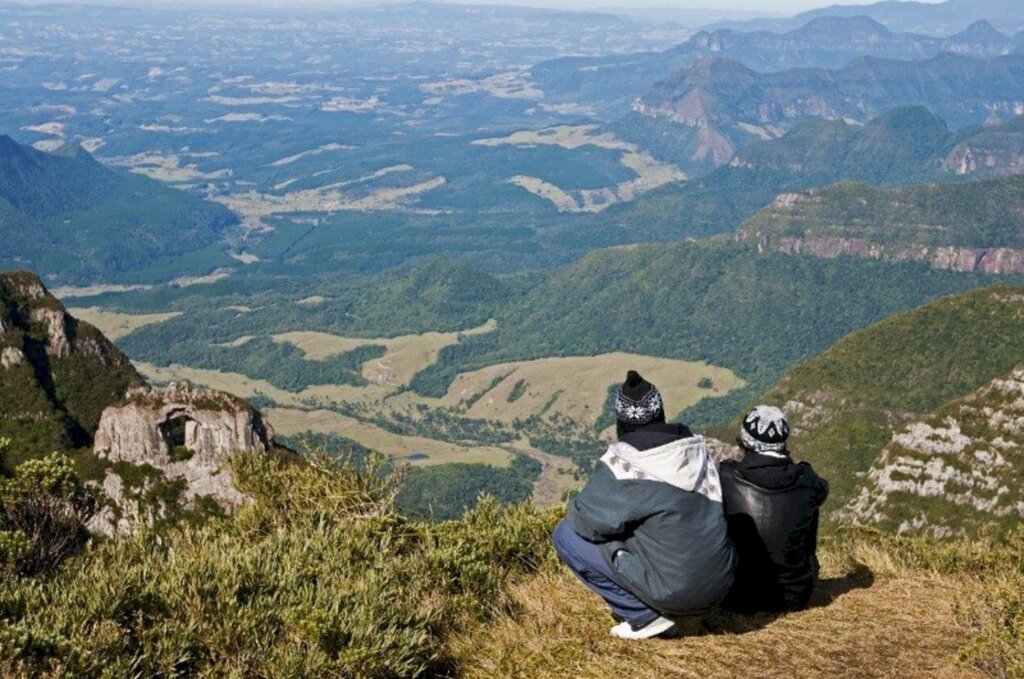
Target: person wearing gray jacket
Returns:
[648, 531]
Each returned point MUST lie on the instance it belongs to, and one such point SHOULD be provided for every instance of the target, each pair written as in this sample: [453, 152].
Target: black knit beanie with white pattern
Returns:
[765, 430]
[638, 404]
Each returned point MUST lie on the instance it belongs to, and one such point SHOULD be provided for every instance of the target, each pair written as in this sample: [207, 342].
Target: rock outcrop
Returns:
[63, 385]
[969, 227]
[214, 425]
[964, 260]
[182, 436]
[960, 466]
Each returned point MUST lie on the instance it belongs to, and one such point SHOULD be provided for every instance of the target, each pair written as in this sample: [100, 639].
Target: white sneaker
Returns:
[659, 626]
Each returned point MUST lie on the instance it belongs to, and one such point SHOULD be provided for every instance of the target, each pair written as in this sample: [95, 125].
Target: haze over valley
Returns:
[445, 232]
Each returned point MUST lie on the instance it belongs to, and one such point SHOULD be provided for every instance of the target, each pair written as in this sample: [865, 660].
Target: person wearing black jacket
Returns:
[771, 507]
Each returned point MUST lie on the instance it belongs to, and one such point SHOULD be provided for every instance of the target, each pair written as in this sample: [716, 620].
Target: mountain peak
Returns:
[838, 26]
[981, 31]
[714, 67]
[916, 118]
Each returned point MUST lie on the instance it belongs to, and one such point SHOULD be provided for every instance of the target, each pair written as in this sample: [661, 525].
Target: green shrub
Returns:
[44, 508]
[318, 576]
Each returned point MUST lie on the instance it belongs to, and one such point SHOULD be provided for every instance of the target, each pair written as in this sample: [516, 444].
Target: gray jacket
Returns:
[657, 514]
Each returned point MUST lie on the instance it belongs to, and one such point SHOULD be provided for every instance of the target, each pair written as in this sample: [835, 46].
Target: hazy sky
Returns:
[764, 6]
[760, 7]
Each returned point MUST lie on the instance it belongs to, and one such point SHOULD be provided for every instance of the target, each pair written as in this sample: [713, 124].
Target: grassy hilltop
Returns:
[320, 576]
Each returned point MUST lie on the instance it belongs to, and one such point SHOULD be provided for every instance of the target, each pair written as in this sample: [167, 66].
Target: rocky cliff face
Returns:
[856, 410]
[953, 473]
[967, 227]
[212, 426]
[965, 260]
[57, 374]
[989, 155]
[63, 385]
[182, 437]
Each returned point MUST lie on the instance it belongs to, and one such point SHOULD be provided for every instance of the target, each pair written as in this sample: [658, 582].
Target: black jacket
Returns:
[771, 506]
[654, 507]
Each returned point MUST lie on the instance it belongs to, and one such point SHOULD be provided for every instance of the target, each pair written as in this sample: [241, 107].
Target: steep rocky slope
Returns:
[956, 472]
[170, 451]
[57, 374]
[158, 453]
[846, 404]
[972, 226]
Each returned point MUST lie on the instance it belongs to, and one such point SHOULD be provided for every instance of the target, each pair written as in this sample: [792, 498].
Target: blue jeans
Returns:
[584, 558]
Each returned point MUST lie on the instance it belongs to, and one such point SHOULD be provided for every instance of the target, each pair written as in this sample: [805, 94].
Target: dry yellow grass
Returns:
[865, 621]
[246, 387]
[116, 325]
[406, 355]
[650, 172]
[567, 136]
[318, 346]
[289, 421]
[583, 382]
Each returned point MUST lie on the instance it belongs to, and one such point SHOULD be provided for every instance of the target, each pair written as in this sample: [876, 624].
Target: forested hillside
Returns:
[57, 374]
[972, 226]
[713, 301]
[68, 217]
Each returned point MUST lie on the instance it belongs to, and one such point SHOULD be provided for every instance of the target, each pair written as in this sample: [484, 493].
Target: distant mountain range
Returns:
[611, 84]
[72, 219]
[944, 18]
[904, 377]
[902, 147]
[701, 114]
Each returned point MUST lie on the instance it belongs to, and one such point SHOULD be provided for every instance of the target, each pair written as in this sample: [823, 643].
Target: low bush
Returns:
[318, 576]
[44, 508]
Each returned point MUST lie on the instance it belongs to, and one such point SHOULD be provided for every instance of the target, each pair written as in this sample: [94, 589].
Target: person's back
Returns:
[772, 505]
[647, 533]
[672, 548]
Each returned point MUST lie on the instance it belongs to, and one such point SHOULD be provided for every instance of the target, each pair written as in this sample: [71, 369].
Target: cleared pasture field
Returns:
[578, 386]
[247, 387]
[290, 421]
[116, 325]
[406, 355]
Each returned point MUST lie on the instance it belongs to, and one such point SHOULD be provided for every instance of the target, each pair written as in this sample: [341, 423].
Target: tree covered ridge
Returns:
[60, 373]
[68, 216]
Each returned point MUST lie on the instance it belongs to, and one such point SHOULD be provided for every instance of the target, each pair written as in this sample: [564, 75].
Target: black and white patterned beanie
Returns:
[639, 402]
[765, 430]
